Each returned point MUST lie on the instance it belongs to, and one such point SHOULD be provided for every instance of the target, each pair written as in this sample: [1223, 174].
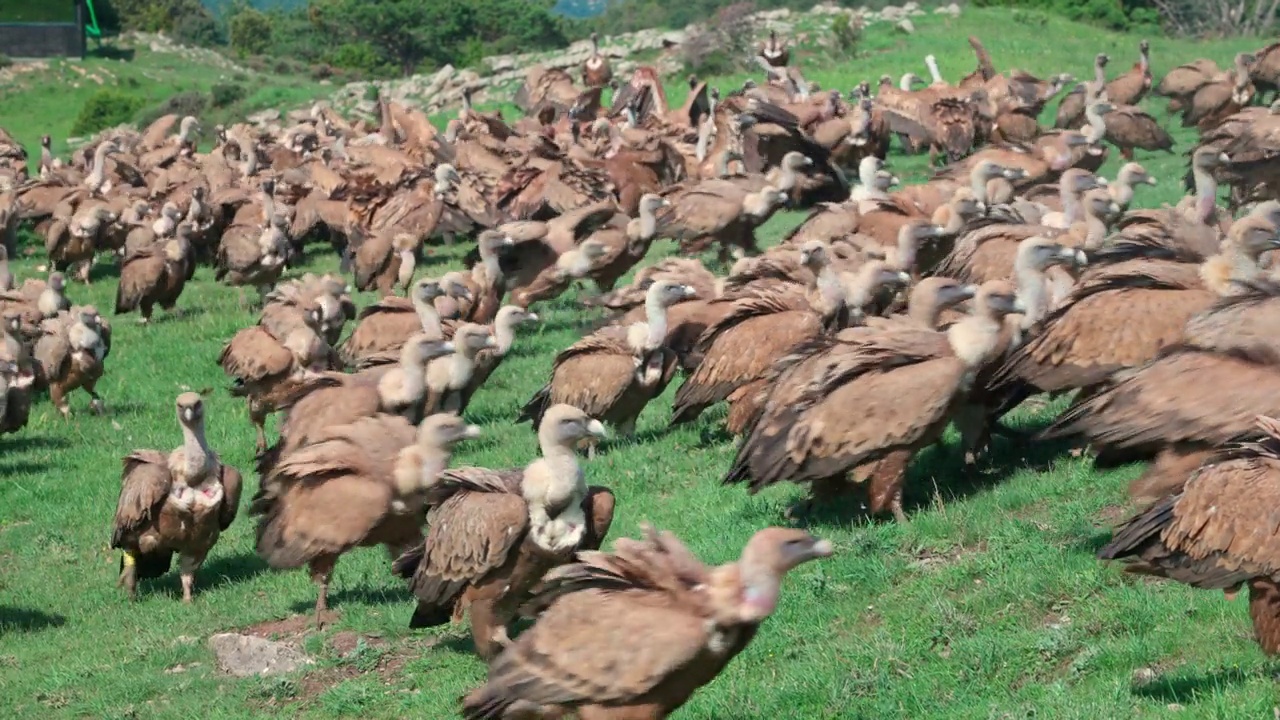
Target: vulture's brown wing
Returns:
[1110, 324]
[600, 647]
[903, 124]
[253, 355]
[231, 485]
[1247, 324]
[1229, 512]
[594, 372]
[326, 515]
[471, 535]
[1187, 396]
[144, 487]
[52, 350]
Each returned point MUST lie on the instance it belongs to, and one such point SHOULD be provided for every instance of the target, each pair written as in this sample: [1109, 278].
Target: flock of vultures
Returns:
[882, 318]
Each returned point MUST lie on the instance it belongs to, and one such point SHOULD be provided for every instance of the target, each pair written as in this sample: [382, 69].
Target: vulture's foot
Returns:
[97, 407]
[144, 320]
[188, 583]
[129, 576]
[65, 410]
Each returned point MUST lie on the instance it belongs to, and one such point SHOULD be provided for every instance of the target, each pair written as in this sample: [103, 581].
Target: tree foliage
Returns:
[249, 31]
[105, 108]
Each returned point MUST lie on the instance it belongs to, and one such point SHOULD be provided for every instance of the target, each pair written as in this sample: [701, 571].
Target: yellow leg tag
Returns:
[128, 560]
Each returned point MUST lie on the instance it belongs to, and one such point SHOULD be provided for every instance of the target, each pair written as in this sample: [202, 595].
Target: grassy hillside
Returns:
[988, 603]
[46, 97]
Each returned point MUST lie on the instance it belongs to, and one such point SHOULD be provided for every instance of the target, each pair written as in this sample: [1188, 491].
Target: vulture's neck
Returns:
[195, 454]
[1121, 190]
[1032, 292]
[974, 340]
[408, 263]
[643, 227]
[428, 317]
[1071, 210]
[1206, 194]
[655, 313]
[504, 336]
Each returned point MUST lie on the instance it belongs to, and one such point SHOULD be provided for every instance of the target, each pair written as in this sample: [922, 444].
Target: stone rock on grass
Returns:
[248, 656]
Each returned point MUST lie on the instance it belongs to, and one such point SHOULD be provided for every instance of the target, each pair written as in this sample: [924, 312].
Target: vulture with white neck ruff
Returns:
[356, 485]
[633, 634]
[862, 411]
[175, 504]
[494, 533]
[613, 373]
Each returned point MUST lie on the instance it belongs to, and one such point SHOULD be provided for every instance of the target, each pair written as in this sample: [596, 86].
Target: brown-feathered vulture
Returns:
[356, 485]
[178, 503]
[613, 373]
[337, 398]
[1199, 394]
[861, 402]
[70, 354]
[494, 533]
[382, 328]
[153, 276]
[632, 634]
[1219, 532]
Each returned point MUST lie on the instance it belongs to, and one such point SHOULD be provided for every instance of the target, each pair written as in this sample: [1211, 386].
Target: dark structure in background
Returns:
[45, 39]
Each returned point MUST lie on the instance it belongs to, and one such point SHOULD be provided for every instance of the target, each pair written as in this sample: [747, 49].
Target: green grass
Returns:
[988, 603]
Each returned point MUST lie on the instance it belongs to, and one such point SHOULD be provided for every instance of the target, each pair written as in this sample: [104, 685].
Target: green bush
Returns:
[105, 108]
[5, 61]
[847, 35]
[226, 94]
[360, 57]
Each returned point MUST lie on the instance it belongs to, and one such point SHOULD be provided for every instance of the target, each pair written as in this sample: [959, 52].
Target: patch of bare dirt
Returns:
[287, 628]
[927, 558]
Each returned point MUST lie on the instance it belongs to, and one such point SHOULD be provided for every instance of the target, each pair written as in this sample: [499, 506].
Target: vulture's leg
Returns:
[58, 397]
[886, 481]
[145, 308]
[258, 416]
[82, 273]
[598, 507]
[344, 264]
[96, 406]
[1126, 153]
[627, 427]
[187, 566]
[1264, 608]
[129, 575]
[321, 571]
[487, 633]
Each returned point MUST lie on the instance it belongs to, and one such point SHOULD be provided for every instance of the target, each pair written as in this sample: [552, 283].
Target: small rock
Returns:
[906, 26]
[1174, 707]
[953, 10]
[247, 655]
[1144, 676]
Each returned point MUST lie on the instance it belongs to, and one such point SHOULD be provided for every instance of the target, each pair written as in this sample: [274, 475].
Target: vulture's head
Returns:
[190, 409]
[814, 255]
[1207, 159]
[1102, 107]
[57, 281]
[471, 338]
[46, 141]
[447, 174]
[426, 290]
[796, 160]
[454, 285]
[940, 293]
[445, 430]
[995, 299]
[593, 250]
[652, 202]
[1079, 181]
[917, 232]
[1040, 254]
[512, 316]
[564, 425]
[1134, 174]
[769, 555]
[665, 293]
[1099, 203]
[198, 192]
[1073, 139]
[1254, 235]
[1102, 59]
[421, 349]
[1144, 46]
[861, 287]
[966, 205]
[88, 315]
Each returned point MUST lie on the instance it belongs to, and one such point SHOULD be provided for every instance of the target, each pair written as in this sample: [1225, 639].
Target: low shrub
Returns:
[104, 109]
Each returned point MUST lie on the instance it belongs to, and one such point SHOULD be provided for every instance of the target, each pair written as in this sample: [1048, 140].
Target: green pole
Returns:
[92, 28]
